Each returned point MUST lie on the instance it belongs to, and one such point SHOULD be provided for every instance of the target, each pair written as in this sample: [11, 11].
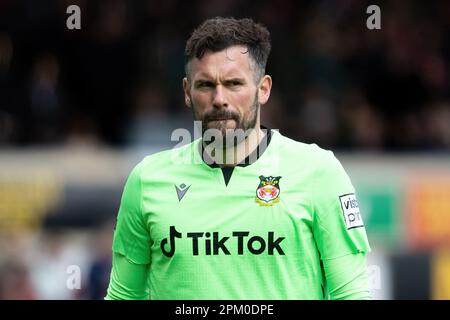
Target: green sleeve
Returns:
[337, 224]
[346, 277]
[128, 280]
[131, 234]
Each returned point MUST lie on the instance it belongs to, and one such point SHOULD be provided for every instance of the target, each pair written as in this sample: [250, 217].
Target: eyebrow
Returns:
[242, 80]
[203, 82]
[206, 81]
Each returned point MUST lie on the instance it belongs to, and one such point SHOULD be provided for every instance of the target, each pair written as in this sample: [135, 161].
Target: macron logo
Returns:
[181, 190]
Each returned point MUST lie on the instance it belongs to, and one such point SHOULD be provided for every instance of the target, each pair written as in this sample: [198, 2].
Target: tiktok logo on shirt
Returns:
[217, 245]
[173, 234]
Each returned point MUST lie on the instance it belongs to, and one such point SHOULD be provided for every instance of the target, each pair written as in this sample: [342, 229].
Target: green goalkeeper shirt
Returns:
[285, 226]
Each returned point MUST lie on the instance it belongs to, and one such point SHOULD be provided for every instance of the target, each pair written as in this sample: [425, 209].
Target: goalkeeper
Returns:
[252, 214]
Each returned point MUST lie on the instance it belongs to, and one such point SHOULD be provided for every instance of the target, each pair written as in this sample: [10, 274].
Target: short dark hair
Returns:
[219, 33]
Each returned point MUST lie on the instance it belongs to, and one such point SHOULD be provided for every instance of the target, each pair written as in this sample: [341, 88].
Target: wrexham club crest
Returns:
[268, 191]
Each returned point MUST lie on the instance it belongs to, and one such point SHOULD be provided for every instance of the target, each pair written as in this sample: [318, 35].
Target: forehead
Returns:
[234, 61]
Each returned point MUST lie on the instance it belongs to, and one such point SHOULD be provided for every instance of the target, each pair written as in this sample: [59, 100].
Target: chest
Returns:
[256, 212]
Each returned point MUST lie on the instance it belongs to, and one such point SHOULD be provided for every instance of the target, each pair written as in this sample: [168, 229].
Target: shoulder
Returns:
[163, 162]
[324, 170]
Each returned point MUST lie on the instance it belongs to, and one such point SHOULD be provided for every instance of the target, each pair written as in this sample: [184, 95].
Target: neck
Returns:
[231, 156]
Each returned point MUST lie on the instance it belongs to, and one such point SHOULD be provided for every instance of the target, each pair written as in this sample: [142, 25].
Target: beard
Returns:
[215, 122]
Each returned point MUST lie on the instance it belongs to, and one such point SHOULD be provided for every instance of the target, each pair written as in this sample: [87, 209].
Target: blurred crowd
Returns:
[117, 81]
[56, 264]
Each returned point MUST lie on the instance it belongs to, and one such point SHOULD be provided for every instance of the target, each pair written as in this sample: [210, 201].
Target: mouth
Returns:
[221, 118]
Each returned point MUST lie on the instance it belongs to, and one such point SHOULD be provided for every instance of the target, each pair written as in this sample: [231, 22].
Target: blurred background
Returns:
[79, 108]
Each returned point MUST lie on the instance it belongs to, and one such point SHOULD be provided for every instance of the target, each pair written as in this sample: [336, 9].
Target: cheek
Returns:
[245, 102]
[244, 98]
[200, 100]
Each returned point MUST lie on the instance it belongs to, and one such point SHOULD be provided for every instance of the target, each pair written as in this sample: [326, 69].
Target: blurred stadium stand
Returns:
[78, 109]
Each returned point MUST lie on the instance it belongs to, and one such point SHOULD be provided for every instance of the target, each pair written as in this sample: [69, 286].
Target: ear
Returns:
[265, 85]
[187, 92]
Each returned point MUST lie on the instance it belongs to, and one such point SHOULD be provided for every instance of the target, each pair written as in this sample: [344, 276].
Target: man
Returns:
[253, 214]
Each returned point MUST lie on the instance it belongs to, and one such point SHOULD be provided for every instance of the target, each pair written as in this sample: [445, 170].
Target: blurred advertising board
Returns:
[427, 210]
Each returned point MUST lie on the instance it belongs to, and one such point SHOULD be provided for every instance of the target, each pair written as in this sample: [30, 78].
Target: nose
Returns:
[219, 98]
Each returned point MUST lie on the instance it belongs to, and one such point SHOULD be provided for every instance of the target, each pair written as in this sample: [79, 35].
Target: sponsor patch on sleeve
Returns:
[350, 209]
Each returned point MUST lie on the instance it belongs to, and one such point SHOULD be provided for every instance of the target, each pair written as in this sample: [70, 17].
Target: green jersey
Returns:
[266, 231]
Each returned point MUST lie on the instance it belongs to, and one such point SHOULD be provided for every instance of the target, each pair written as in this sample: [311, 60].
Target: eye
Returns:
[204, 84]
[233, 83]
